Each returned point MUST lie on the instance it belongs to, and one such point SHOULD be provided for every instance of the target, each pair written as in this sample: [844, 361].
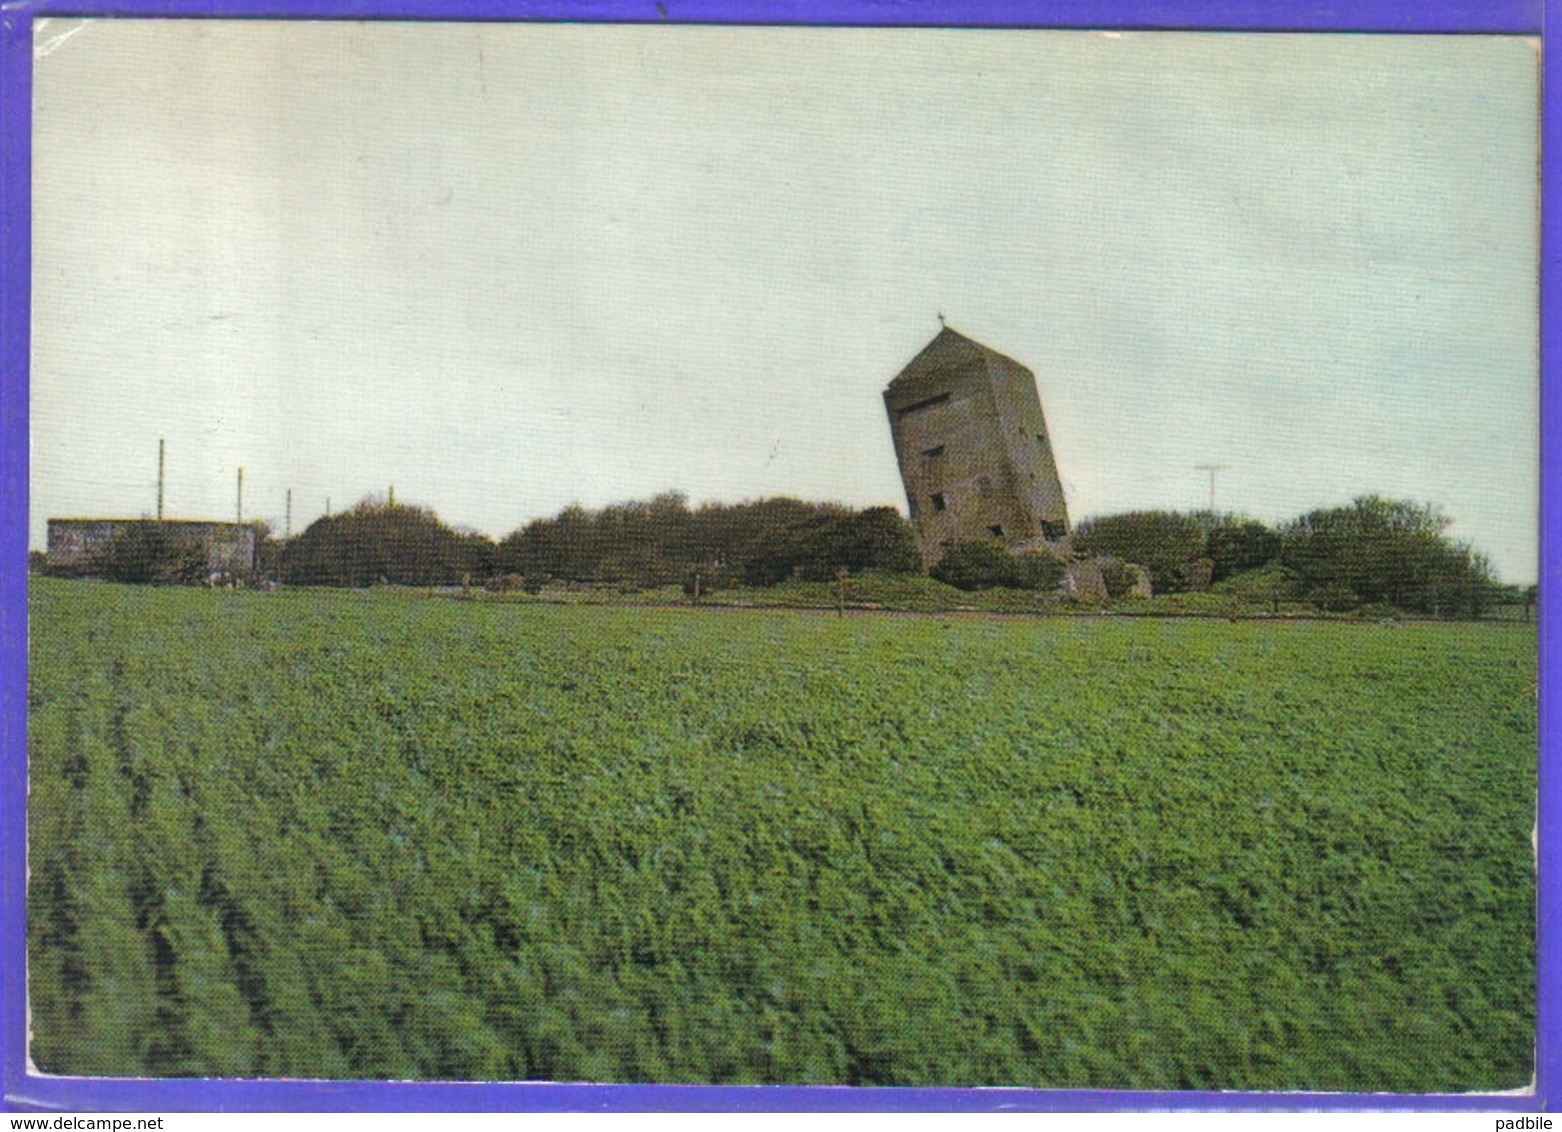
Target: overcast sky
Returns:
[509, 267]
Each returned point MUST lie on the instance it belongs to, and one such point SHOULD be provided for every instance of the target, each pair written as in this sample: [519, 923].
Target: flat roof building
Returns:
[227, 548]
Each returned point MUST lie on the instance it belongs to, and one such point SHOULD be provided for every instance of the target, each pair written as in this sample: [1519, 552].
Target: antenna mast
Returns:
[1211, 469]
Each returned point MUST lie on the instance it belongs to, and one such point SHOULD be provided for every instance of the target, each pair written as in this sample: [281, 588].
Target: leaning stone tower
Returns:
[975, 456]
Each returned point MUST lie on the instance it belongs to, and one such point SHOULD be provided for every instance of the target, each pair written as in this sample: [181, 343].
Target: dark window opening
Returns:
[997, 530]
[1052, 530]
[1041, 438]
[939, 502]
[933, 453]
[925, 403]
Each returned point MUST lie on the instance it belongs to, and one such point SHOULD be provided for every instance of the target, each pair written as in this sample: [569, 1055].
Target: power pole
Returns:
[287, 525]
[159, 479]
[392, 495]
[1211, 469]
[239, 507]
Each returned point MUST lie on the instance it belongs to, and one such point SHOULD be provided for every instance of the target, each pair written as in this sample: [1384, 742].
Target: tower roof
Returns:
[949, 350]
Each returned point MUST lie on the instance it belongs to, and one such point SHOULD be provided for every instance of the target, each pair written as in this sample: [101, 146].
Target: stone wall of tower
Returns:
[1023, 426]
[974, 453]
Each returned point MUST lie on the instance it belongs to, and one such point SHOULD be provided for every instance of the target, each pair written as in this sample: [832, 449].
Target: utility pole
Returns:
[1211, 469]
[393, 495]
[287, 525]
[159, 479]
[239, 507]
[328, 507]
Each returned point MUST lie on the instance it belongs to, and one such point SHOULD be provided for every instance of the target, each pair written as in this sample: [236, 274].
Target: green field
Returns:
[337, 834]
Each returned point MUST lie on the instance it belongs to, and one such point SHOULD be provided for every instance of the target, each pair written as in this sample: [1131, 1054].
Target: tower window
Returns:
[1041, 438]
[933, 453]
[1052, 530]
[925, 403]
[939, 503]
[997, 530]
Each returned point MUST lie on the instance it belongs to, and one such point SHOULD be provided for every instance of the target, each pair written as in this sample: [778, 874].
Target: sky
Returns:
[504, 268]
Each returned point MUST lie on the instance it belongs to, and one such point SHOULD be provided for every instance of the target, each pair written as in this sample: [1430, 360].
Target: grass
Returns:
[1244, 596]
[361, 835]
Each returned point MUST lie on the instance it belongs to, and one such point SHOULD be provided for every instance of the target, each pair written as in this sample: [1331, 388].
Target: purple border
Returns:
[24, 1092]
[1491, 16]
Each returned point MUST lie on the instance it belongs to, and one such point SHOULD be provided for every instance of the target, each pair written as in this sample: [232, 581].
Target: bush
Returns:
[1386, 552]
[1163, 542]
[876, 538]
[1333, 597]
[984, 565]
[1268, 585]
[1235, 544]
[974, 566]
[147, 553]
[759, 543]
[384, 542]
[1039, 570]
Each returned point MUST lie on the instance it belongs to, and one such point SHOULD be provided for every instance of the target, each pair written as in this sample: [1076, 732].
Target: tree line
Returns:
[1371, 552]
[636, 545]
